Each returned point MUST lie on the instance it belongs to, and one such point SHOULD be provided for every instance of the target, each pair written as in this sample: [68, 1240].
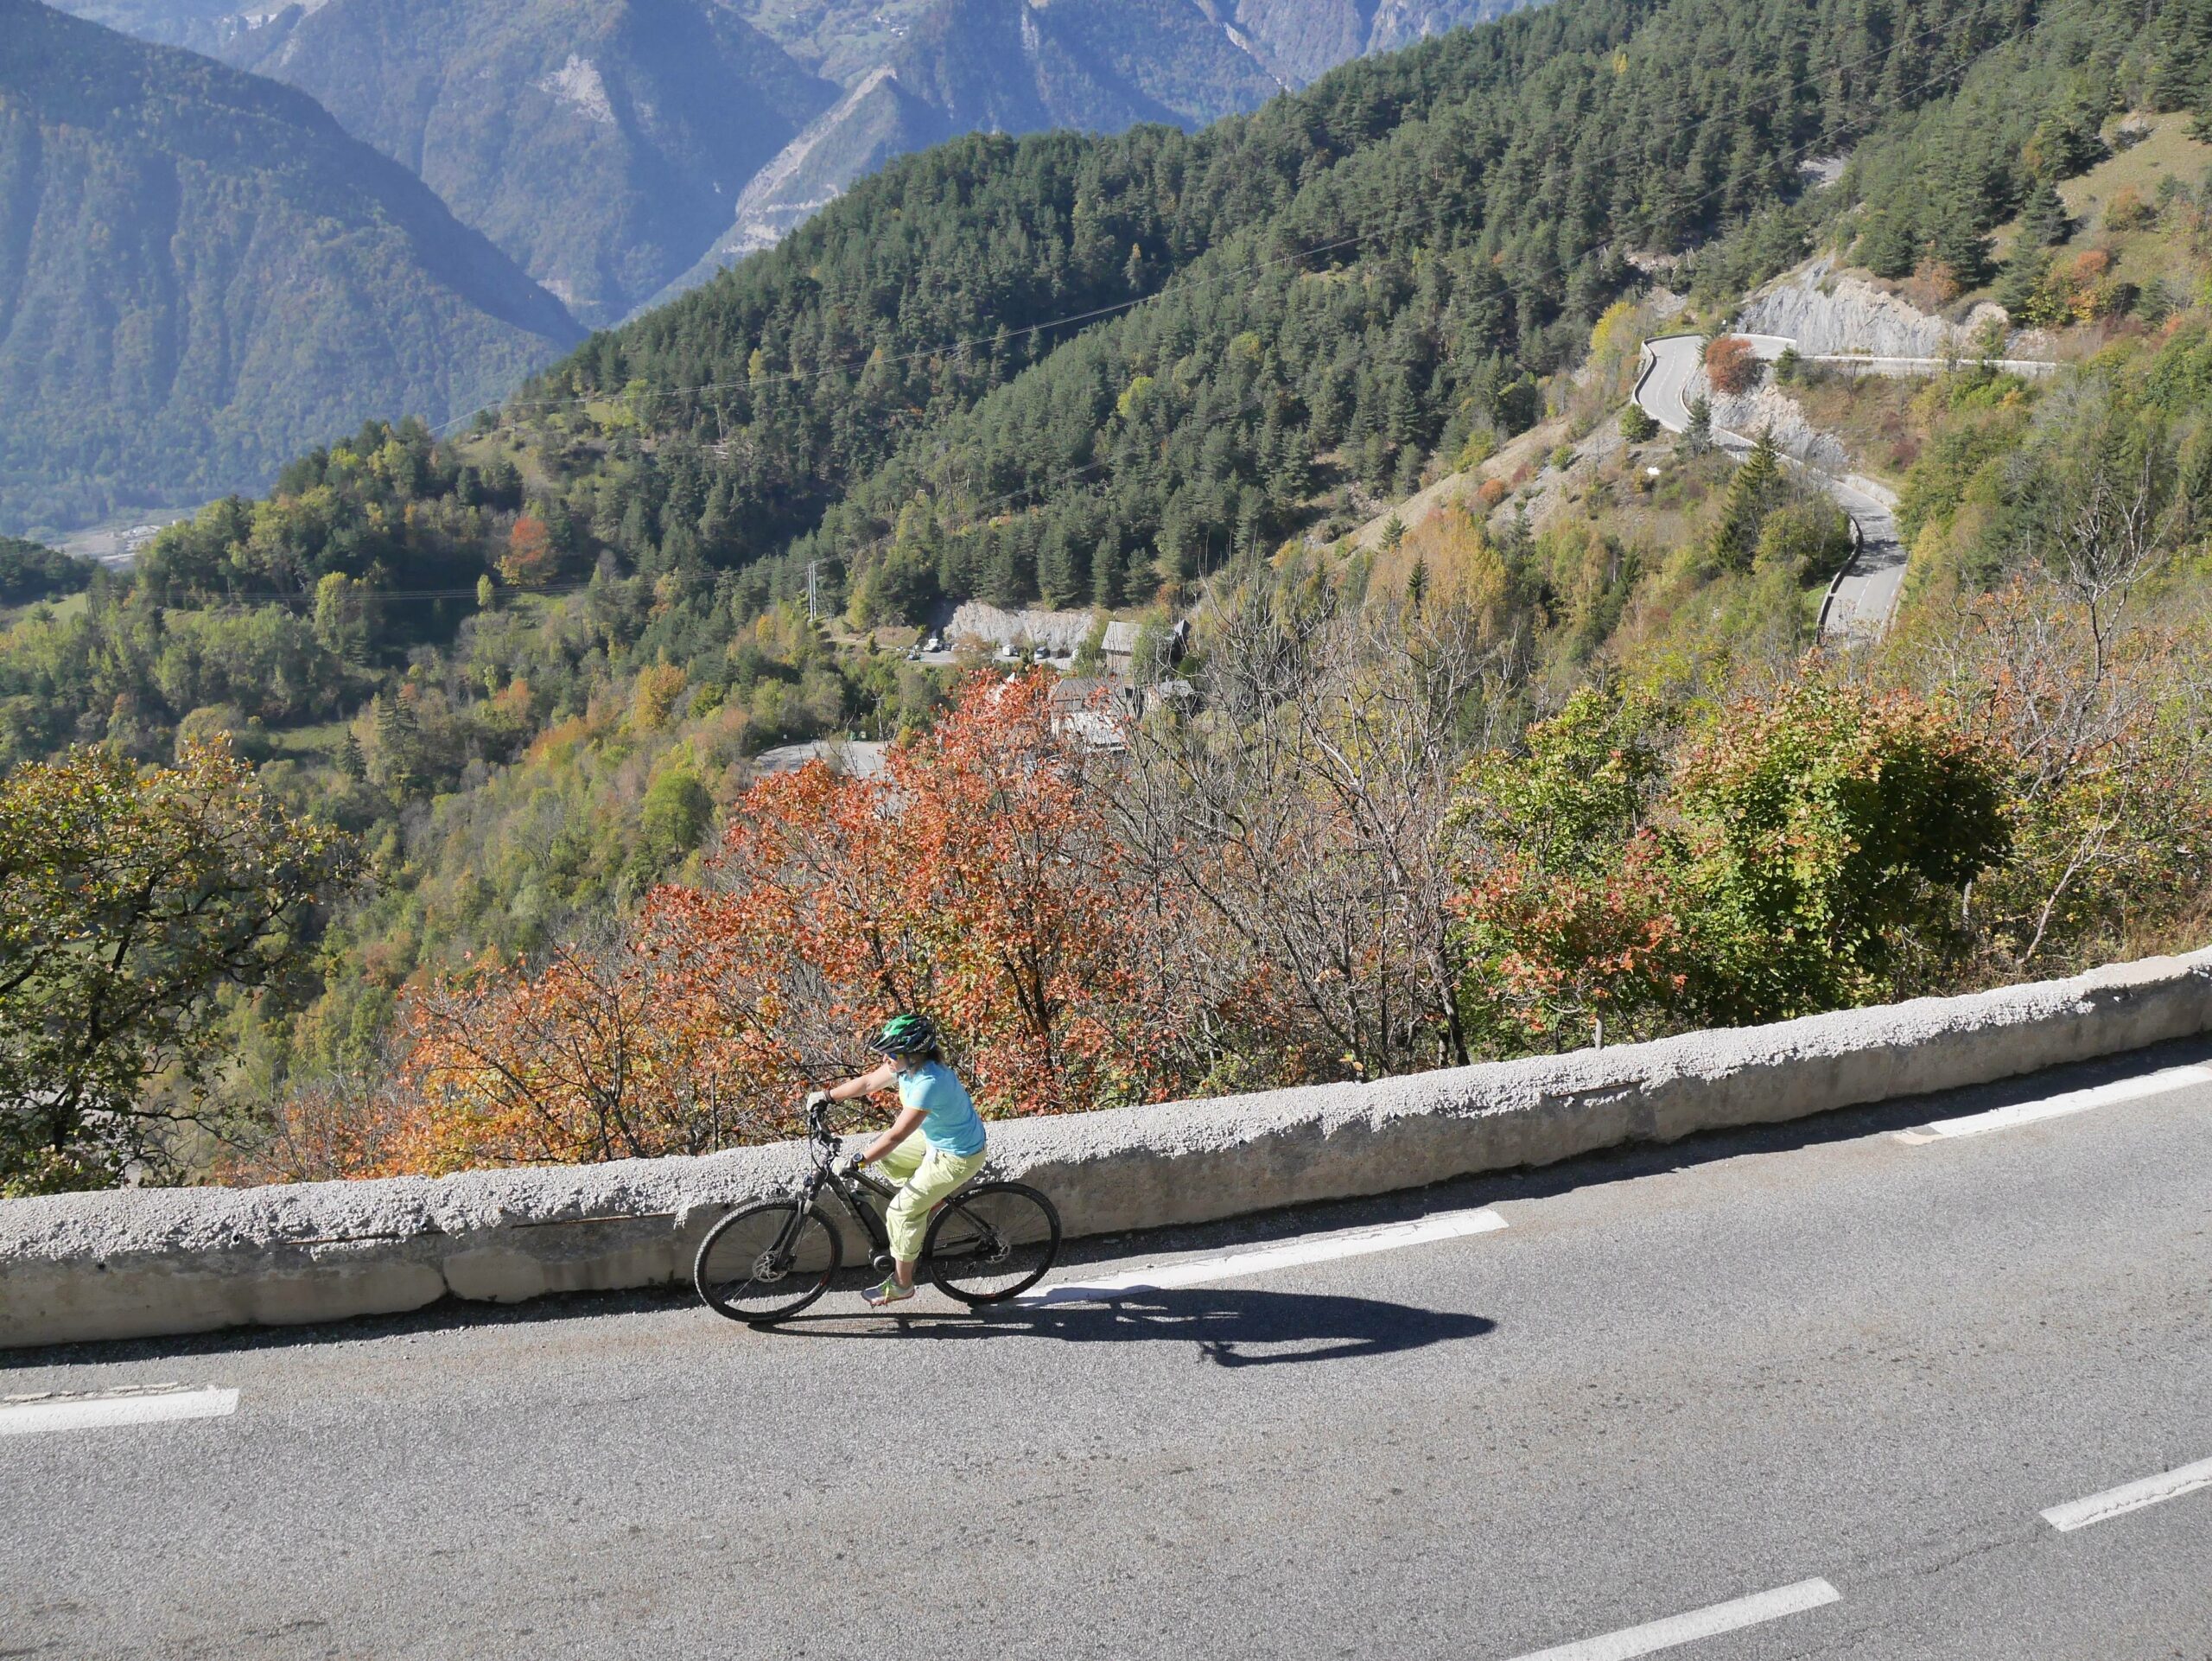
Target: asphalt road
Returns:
[1868, 592]
[1828, 1355]
[1664, 393]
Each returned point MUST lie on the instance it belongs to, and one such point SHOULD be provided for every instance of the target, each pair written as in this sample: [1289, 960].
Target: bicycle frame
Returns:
[1005, 1242]
[807, 1190]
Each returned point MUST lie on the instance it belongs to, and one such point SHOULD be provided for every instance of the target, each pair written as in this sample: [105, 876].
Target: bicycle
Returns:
[989, 1241]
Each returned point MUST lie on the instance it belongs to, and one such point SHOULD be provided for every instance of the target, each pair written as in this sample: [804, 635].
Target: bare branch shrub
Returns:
[1295, 818]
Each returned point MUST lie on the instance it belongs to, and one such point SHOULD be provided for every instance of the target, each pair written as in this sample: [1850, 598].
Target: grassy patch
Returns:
[2144, 253]
[68, 606]
[1873, 415]
[320, 742]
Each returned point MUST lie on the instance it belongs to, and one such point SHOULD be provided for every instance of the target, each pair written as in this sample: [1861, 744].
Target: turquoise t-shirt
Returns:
[950, 1122]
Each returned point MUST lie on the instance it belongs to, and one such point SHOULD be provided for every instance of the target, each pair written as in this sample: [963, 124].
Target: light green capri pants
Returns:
[925, 1175]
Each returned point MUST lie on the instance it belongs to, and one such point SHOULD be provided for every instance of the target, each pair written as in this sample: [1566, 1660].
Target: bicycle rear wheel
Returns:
[766, 1262]
[992, 1242]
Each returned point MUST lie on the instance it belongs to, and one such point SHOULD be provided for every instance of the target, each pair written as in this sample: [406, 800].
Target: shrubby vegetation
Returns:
[1356, 854]
[128, 901]
[1464, 788]
[30, 571]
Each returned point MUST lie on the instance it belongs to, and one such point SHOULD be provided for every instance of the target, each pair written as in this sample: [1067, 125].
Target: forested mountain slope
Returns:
[622, 152]
[201, 273]
[530, 663]
[1099, 66]
[1000, 67]
[601, 143]
[1468, 204]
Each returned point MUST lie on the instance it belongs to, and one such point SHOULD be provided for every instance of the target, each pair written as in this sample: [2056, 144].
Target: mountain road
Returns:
[1926, 1380]
[1867, 593]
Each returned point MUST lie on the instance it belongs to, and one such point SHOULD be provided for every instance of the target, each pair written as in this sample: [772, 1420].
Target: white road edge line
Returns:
[2131, 1496]
[94, 1412]
[1312, 1248]
[1698, 1623]
[2053, 1107]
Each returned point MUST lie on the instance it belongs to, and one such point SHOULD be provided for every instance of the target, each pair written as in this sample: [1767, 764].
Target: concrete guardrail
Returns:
[148, 1261]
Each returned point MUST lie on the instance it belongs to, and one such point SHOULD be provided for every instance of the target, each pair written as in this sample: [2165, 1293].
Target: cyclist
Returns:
[949, 1152]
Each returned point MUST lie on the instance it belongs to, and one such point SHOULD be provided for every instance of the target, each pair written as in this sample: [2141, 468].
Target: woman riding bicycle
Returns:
[950, 1149]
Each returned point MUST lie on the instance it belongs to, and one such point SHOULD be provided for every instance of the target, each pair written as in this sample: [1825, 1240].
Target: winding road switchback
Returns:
[1865, 594]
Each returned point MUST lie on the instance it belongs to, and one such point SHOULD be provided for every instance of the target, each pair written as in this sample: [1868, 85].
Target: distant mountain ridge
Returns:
[1103, 65]
[998, 65]
[202, 274]
[623, 151]
[601, 143]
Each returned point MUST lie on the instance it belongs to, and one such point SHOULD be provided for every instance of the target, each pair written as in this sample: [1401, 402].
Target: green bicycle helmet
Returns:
[907, 1035]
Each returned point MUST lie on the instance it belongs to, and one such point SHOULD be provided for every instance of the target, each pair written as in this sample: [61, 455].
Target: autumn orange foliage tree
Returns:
[977, 879]
[530, 559]
[605, 1051]
[1730, 365]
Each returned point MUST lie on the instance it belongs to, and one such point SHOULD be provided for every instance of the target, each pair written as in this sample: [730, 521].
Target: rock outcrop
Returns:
[1767, 407]
[1826, 312]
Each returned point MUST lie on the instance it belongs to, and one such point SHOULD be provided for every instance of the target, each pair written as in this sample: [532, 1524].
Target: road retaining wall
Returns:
[150, 1261]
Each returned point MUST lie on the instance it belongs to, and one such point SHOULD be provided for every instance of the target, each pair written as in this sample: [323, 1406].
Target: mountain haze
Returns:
[1000, 66]
[601, 143]
[623, 152]
[201, 274]
[1096, 66]
[201, 25]
[1300, 41]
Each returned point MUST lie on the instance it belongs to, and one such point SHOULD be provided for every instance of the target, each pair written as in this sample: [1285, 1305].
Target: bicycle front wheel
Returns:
[766, 1262]
[992, 1242]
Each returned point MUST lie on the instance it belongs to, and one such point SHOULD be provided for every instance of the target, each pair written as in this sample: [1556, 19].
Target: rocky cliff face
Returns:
[1767, 409]
[1824, 312]
[201, 25]
[1300, 41]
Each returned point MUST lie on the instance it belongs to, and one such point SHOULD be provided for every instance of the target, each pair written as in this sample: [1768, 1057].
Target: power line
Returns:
[974, 509]
[1406, 220]
[1410, 218]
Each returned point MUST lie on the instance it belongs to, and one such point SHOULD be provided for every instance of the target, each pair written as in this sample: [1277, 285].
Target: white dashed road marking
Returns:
[1314, 1248]
[1698, 1623]
[24, 1417]
[2054, 1107]
[2133, 1496]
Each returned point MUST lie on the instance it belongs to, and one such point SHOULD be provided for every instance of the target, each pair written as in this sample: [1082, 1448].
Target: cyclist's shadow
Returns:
[1230, 1327]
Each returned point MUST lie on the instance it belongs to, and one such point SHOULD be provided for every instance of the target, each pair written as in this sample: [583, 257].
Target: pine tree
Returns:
[1005, 583]
[1888, 247]
[2044, 222]
[1063, 572]
[1959, 242]
[1697, 437]
[2021, 281]
[1751, 495]
[1108, 568]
